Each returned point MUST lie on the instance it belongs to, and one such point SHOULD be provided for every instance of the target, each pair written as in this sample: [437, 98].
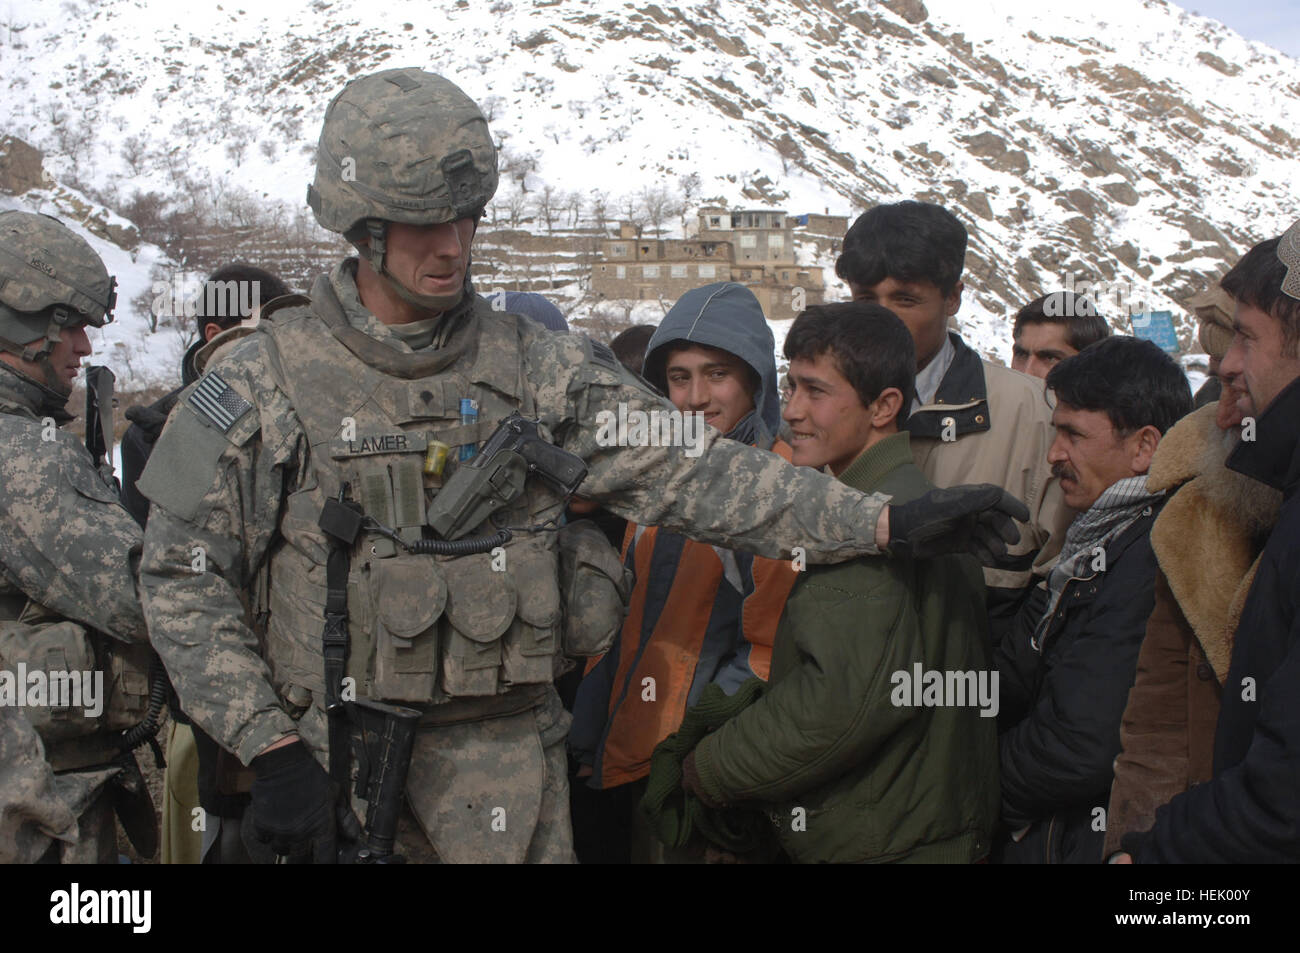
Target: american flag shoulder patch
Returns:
[216, 402]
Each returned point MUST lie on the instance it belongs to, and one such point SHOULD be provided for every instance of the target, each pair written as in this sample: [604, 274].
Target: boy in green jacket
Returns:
[876, 740]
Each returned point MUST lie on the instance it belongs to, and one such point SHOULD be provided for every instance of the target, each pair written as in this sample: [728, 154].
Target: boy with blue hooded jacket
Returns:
[699, 614]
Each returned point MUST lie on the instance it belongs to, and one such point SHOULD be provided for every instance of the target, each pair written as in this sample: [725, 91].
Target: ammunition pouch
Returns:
[410, 596]
[480, 607]
[127, 668]
[60, 652]
[50, 648]
[534, 637]
[595, 587]
[424, 629]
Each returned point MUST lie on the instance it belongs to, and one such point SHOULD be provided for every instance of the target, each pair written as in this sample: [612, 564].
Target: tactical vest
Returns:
[72, 740]
[425, 630]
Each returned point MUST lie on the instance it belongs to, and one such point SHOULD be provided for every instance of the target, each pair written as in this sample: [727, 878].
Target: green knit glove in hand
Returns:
[977, 519]
[691, 783]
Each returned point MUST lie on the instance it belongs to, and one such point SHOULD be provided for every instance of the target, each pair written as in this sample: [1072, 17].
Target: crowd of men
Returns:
[409, 599]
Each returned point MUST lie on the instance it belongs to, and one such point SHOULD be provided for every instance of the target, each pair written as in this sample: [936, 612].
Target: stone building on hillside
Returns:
[632, 267]
[754, 247]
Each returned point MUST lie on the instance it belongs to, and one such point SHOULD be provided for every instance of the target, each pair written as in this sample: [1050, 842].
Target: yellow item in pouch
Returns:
[435, 457]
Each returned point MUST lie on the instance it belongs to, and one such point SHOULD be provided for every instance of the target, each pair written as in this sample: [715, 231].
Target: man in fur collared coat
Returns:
[1168, 729]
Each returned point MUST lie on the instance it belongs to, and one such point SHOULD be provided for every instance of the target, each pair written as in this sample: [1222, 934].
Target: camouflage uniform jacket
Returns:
[237, 480]
[66, 542]
[29, 812]
[67, 552]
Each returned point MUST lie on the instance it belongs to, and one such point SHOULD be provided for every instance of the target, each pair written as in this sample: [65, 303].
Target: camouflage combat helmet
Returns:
[50, 279]
[401, 145]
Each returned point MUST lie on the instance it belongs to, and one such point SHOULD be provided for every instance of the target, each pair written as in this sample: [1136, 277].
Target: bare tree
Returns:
[547, 204]
[517, 166]
[574, 204]
[133, 151]
[632, 211]
[493, 107]
[236, 150]
[660, 205]
[691, 187]
[52, 114]
[600, 210]
[516, 208]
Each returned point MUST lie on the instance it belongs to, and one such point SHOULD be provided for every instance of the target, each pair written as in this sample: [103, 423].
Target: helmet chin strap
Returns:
[38, 352]
[53, 398]
[374, 254]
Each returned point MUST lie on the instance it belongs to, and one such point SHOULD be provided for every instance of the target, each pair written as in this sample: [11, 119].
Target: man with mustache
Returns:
[1067, 666]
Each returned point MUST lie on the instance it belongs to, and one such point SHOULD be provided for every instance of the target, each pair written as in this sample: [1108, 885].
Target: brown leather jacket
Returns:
[1207, 542]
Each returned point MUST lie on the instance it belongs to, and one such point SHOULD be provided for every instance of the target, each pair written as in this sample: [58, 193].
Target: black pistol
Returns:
[496, 475]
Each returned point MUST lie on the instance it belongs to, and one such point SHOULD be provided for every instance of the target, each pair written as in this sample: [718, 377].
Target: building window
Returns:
[645, 249]
[620, 271]
[785, 276]
[748, 241]
[679, 271]
[619, 251]
[714, 221]
[776, 241]
[650, 271]
[708, 271]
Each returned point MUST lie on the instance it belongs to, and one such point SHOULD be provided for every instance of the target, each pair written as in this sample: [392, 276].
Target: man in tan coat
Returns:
[969, 419]
[1168, 728]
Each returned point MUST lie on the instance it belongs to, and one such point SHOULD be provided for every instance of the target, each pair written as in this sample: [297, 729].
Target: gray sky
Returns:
[1275, 22]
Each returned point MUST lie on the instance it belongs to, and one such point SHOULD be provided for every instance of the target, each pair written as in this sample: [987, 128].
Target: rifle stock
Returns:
[383, 737]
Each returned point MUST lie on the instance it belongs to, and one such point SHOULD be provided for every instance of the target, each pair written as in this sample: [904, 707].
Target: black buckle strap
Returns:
[341, 521]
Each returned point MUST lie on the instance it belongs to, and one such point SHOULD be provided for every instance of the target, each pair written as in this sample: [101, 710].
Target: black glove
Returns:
[974, 519]
[294, 803]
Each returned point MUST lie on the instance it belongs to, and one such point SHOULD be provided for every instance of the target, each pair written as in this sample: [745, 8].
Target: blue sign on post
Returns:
[1157, 327]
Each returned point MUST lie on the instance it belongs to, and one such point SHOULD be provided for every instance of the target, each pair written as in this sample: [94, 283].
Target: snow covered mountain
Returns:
[1123, 141]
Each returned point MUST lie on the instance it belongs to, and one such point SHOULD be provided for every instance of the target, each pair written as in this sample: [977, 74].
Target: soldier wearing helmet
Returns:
[69, 611]
[53, 286]
[350, 398]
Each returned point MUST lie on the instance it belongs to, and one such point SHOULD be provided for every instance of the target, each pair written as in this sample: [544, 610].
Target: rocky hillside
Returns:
[1122, 142]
